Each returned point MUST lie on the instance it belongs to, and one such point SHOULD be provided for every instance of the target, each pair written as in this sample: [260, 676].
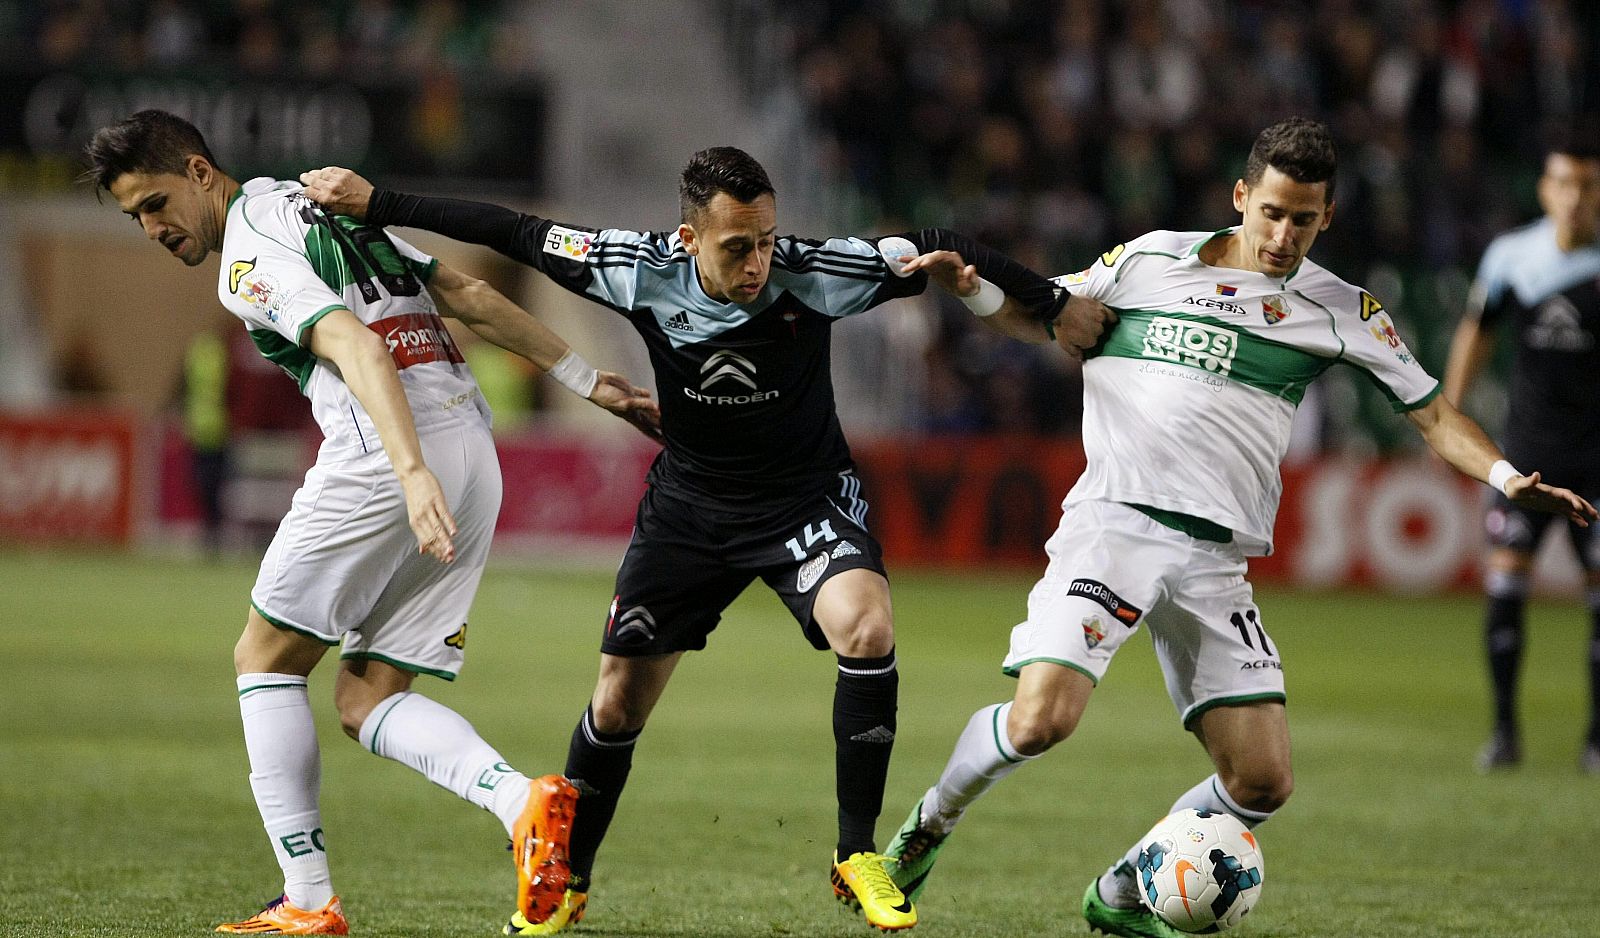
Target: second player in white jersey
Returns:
[1187, 408]
[1188, 404]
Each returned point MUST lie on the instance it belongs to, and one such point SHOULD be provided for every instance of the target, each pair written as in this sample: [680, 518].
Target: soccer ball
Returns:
[1200, 871]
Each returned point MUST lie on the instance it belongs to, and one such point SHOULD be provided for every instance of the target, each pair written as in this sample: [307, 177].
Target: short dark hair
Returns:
[1580, 141]
[148, 142]
[720, 169]
[1298, 147]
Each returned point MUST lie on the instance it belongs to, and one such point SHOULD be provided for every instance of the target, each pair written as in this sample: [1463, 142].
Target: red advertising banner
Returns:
[967, 501]
[565, 488]
[67, 475]
[1409, 525]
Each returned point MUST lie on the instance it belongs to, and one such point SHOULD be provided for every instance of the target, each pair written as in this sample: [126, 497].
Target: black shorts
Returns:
[687, 562]
[1521, 529]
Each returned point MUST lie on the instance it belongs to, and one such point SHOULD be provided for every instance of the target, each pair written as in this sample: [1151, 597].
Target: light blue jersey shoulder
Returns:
[1526, 263]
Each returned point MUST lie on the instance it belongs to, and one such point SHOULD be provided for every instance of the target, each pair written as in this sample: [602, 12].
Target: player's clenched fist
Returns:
[1081, 323]
[339, 190]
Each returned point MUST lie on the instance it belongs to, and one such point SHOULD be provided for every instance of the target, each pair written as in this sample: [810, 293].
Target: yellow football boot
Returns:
[570, 912]
[863, 881]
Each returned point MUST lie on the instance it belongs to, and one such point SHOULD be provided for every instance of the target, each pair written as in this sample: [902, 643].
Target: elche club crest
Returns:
[1275, 309]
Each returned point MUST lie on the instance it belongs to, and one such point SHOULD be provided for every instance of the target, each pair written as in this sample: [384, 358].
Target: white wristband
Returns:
[578, 375]
[1500, 473]
[987, 301]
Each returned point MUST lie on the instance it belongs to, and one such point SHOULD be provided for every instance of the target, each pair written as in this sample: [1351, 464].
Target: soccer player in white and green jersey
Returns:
[1187, 406]
[386, 541]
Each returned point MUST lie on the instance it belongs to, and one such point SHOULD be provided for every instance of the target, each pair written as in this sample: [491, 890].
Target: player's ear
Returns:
[200, 170]
[1327, 215]
[1241, 195]
[686, 235]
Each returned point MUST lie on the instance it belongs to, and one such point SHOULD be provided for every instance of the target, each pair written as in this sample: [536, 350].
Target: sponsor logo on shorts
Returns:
[636, 626]
[845, 549]
[568, 242]
[458, 638]
[1094, 631]
[1102, 594]
[811, 572]
[1265, 664]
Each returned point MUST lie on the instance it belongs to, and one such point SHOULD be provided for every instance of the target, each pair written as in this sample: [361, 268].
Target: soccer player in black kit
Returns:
[1539, 286]
[756, 479]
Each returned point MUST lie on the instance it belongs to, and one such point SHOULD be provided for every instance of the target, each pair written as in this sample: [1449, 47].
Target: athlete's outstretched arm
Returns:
[487, 312]
[344, 192]
[369, 372]
[1075, 325]
[1462, 443]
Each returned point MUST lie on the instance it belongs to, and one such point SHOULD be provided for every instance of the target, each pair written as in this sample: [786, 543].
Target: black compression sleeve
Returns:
[1042, 298]
[511, 233]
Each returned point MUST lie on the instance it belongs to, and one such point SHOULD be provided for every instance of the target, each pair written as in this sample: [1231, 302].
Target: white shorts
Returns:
[1112, 568]
[344, 563]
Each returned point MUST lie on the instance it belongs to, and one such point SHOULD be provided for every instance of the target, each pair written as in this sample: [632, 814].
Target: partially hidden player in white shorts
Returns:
[1114, 569]
[344, 564]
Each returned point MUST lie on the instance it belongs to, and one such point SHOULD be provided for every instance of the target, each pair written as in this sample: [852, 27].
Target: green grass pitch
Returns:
[125, 808]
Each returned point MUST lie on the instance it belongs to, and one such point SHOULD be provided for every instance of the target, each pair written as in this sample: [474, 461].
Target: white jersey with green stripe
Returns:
[286, 264]
[1189, 398]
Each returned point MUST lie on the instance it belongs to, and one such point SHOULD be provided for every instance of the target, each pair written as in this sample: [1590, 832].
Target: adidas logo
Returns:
[845, 549]
[680, 322]
[878, 734]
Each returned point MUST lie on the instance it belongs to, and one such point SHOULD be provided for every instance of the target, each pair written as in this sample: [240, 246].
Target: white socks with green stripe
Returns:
[439, 742]
[983, 756]
[286, 774]
[1118, 887]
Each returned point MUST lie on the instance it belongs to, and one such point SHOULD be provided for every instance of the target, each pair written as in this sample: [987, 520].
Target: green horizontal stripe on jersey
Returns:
[1222, 348]
[1196, 527]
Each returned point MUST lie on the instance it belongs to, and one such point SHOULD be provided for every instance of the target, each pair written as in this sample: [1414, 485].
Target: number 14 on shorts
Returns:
[822, 531]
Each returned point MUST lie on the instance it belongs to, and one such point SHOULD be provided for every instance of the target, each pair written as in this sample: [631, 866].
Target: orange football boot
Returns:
[281, 918]
[539, 846]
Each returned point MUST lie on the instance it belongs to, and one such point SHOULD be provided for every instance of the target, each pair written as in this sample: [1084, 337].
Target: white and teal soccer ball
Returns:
[1199, 871]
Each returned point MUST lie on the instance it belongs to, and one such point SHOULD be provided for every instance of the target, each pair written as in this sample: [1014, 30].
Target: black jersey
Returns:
[1549, 301]
[746, 389]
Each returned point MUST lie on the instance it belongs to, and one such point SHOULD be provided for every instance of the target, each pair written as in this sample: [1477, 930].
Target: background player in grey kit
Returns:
[1540, 285]
[756, 479]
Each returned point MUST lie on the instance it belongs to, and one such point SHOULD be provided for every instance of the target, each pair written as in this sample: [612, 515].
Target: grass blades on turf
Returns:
[125, 808]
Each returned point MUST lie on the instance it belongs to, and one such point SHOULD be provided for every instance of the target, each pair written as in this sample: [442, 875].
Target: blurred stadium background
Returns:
[1051, 130]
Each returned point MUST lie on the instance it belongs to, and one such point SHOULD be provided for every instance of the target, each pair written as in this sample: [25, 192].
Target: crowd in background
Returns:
[1055, 130]
[305, 38]
[1051, 130]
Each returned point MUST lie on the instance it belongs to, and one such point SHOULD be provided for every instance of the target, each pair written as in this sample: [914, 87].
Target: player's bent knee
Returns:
[1265, 790]
[616, 712]
[1032, 731]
